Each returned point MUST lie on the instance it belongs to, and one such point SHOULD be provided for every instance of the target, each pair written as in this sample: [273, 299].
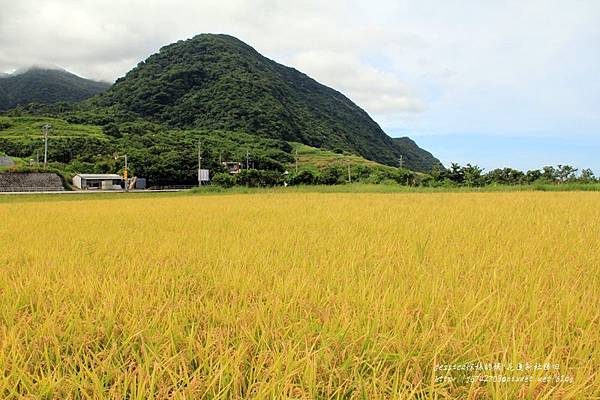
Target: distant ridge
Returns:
[414, 156]
[45, 85]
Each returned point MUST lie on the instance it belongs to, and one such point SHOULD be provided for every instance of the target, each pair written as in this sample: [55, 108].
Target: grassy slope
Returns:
[30, 128]
[315, 157]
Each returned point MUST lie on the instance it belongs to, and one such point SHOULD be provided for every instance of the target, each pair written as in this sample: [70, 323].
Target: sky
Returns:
[495, 83]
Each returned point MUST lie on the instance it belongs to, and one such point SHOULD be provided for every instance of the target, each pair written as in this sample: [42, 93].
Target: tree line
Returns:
[474, 176]
[455, 176]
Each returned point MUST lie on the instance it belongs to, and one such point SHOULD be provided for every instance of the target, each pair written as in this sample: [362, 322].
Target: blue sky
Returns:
[496, 83]
[521, 152]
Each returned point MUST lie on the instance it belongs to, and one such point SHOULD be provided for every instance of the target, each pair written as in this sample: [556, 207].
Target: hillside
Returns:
[169, 156]
[163, 156]
[317, 158]
[37, 85]
[218, 82]
[414, 156]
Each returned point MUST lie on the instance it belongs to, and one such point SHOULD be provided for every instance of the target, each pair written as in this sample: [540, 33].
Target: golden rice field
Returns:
[302, 295]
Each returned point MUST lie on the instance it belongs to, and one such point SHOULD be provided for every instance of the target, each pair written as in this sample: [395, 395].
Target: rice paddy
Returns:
[302, 295]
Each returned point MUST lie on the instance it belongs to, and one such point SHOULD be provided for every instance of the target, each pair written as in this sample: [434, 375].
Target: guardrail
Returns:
[30, 189]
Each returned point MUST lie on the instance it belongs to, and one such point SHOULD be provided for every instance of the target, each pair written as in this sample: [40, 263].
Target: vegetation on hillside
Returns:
[210, 84]
[216, 91]
[163, 156]
[414, 157]
[217, 82]
[38, 85]
[169, 157]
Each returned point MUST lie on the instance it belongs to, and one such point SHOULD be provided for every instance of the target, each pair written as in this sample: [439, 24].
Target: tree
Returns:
[249, 177]
[111, 129]
[533, 175]
[565, 173]
[258, 178]
[587, 176]
[304, 177]
[505, 176]
[224, 179]
[472, 175]
[549, 174]
[456, 173]
[438, 174]
[332, 175]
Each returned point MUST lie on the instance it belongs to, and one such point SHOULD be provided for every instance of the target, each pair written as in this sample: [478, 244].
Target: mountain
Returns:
[219, 82]
[41, 85]
[414, 156]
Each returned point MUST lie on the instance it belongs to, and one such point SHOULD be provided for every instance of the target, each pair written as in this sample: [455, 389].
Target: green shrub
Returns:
[258, 178]
[332, 175]
[224, 179]
[304, 177]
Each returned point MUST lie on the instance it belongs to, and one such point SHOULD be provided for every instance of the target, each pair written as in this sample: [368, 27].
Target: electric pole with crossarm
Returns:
[46, 130]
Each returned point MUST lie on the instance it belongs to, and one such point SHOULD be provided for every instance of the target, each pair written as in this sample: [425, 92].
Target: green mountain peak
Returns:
[217, 82]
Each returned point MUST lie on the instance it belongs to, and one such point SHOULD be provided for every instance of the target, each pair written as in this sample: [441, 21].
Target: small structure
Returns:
[137, 183]
[98, 181]
[233, 167]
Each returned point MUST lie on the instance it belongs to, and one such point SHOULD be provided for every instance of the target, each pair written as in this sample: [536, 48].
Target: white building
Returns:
[98, 181]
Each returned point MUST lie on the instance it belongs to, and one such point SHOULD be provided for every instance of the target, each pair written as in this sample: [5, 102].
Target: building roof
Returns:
[99, 176]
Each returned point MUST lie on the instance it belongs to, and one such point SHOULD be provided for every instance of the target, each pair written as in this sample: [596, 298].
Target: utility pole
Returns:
[46, 129]
[247, 159]
[199, 162]
[296, 161]
[349, 178]
[401, 162]
[125, 171]
[126, 174]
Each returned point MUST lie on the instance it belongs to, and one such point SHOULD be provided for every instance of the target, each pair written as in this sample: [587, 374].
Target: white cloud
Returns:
[103, 40]
[376, 90]
[427, 65]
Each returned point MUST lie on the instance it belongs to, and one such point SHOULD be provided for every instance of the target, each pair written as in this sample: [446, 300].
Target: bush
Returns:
[256, 178]
[377, 177]
[224, 179]
[112, 129]
[304, 177]
[332, 175]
